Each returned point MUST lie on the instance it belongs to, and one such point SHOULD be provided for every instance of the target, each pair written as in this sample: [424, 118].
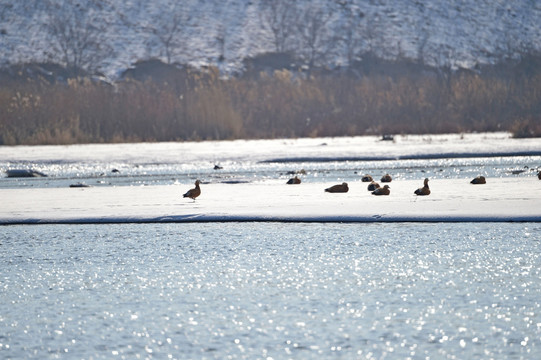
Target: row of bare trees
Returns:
[80, 36]
[85, 34]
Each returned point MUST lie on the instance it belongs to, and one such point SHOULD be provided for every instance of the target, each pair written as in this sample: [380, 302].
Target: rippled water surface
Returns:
[271, 291]
[99, 174]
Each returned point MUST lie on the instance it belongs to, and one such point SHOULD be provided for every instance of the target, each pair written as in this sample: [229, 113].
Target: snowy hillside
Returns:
[453, 33]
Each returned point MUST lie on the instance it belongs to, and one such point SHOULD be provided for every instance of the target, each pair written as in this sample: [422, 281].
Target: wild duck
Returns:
[373, 186]
[195, 192]
[340, 188]
[367, 178]
[425, 190]
[382, 191]
[294, 181]
[479, 180]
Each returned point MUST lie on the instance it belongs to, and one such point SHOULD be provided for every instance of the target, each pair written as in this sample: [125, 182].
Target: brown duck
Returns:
[294, 180]
[340, 188]
[382, 191]
[425, 190]
[386, 178]
[195, 192]
[367, 178]
[479, 180]
[373, 186]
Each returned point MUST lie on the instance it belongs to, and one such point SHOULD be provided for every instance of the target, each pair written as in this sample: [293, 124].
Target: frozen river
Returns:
[245, 180]
[174, 282]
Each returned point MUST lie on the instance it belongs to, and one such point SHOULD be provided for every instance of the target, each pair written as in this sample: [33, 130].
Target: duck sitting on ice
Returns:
[195, 192]
[479, 180]
[425, 190]
[373, 186]
[367, 178]
[382, 191]
[386, 178]
[539, 175]
[340, 188]
[294, 181]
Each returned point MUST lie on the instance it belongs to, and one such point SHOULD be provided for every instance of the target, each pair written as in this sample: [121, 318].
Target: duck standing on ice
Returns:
[195, 192]
[425, 190]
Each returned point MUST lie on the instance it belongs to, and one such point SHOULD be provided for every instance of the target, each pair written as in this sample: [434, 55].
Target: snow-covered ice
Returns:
[504, 198]
[358, 147]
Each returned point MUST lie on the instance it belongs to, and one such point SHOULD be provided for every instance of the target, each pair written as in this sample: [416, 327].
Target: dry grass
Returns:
[281, 105]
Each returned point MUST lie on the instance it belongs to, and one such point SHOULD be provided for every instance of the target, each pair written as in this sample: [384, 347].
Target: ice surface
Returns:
[504, 198]
[360, 147]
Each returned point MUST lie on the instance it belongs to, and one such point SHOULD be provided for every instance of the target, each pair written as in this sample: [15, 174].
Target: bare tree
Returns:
[352, 31]
[423, 29]
[374, 33]
[316, 38]
[78, 35]
[169, 28]
[279, 17]
[5, 8]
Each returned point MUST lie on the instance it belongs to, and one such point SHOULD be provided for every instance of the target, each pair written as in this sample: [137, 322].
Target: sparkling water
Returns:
[130, 174]
[271, 291]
